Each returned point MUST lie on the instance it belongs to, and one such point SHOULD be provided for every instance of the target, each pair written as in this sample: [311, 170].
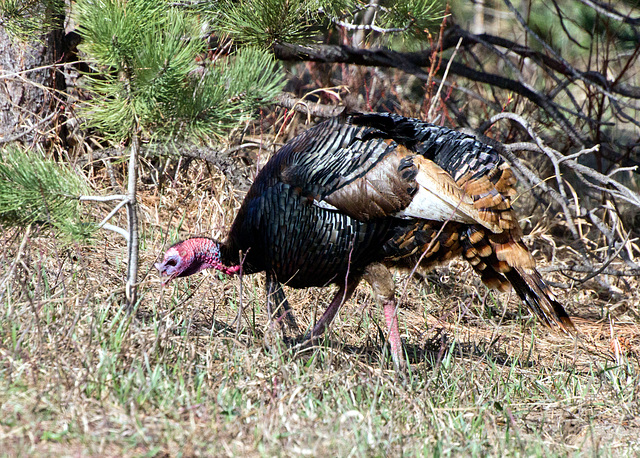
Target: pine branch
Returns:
[34, 190]
[29, 19]
[263, 22]
[149, 68]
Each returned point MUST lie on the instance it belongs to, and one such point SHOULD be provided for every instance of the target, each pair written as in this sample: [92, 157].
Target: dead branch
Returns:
[569, 113]
[412, 63]
[290, 101]
[610, 12]
[573, 209]
[28, 130]
[557, 65]
[561, 63]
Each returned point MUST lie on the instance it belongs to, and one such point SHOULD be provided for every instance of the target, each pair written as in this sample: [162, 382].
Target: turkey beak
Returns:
[163, 273]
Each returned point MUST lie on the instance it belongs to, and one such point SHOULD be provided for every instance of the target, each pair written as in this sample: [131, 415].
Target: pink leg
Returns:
[381, 281]
[277, 298]
[391, 318]
[342, 296]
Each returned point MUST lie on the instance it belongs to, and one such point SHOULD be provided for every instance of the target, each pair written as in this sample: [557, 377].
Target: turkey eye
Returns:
[171, 262]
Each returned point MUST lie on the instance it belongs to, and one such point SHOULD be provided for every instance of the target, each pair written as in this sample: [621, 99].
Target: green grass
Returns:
[78, 375]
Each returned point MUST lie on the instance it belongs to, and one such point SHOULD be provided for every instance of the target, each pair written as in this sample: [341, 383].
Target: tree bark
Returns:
[28, 105]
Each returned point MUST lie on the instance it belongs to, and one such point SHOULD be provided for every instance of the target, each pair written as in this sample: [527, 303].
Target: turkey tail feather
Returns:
[536, 294]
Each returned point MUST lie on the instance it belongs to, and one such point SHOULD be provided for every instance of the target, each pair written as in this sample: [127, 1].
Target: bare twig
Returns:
[291, 102]
[28, 130]
[572, 71]
[117, 230]
[588, 270]
[430, 113]
[610, 12]
[102, 198]
[111, 214]
[601, 269]
[589, 178]
[132, 222]
[16, 261]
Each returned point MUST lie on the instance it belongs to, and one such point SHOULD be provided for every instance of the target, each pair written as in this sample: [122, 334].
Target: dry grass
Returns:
[79, 376]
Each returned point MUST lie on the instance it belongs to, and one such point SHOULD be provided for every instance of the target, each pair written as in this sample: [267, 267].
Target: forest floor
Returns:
[79, 376]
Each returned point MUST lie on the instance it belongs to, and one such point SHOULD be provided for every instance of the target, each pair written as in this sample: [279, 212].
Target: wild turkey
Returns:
[353, 196]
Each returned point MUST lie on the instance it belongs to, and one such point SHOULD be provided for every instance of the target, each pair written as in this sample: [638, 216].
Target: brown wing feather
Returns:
[385, 189]
[424, 241]
[491, 194]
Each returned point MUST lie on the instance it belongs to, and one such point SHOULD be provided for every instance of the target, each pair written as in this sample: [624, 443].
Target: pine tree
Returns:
[152, 78]
[150, 81]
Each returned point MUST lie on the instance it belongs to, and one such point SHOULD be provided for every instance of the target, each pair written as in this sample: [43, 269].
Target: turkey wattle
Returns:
[355, 195]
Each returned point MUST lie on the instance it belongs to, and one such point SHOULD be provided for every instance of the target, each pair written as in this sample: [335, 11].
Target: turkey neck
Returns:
[233, 256]
[210, 254]
[230, 256]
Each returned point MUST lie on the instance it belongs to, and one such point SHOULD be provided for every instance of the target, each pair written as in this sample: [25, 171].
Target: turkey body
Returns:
[355, 195]
[323, 207]
[286, 229]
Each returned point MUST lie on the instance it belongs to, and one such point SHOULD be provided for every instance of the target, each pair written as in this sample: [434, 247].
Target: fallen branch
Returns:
[590, 270]
[290, 101]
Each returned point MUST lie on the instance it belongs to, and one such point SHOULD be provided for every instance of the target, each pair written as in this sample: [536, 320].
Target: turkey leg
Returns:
[381, 281]
[344, 293]
[277, 304]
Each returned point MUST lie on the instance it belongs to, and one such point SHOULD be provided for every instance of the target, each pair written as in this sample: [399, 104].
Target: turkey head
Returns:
[190, 257]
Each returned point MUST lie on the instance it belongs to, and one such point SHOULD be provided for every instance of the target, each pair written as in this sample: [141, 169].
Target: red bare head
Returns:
[190, 257]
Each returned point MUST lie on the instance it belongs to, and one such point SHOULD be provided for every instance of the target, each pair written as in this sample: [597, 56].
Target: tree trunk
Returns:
[28, 105]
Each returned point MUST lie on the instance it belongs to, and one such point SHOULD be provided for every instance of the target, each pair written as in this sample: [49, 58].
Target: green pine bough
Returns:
[151, 70]
[35, 190]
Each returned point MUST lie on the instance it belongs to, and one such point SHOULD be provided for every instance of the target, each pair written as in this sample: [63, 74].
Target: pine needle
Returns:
[34, 190]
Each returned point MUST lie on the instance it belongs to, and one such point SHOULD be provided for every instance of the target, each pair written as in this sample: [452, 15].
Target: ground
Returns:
[82, 376]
